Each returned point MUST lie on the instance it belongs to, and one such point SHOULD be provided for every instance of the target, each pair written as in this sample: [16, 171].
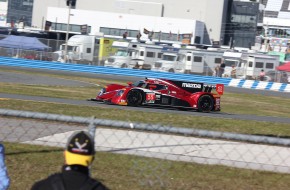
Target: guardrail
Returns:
[251, 84]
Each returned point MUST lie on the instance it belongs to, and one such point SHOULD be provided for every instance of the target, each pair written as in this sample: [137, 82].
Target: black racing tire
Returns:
[183, 109]
[134, 98]
[205, 103]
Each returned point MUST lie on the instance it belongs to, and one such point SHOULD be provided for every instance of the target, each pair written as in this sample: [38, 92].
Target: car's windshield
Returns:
[230, 63]
[123, 53]
[69, 48]
[150, 86]
[139, 84]
[169, 57]
[155, 86]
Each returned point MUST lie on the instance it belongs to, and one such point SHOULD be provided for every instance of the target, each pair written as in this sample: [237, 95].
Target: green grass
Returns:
[177, 120]
[28, 163]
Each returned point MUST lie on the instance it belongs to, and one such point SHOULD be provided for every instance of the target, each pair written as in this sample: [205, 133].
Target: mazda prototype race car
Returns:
[166, 93]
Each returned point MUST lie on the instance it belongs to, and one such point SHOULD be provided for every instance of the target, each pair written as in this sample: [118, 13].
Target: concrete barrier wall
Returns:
[251, 84]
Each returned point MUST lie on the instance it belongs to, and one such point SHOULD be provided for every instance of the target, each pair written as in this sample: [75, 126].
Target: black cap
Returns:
[80, 149]
[82, 143]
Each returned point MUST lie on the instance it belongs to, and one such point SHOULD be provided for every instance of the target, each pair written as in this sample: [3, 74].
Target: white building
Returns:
[211, 12]
[3, 12]
[103, 21]
[277, 16]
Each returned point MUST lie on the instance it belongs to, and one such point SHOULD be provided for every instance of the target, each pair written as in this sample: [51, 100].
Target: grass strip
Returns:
[120, 172]
[177, 120]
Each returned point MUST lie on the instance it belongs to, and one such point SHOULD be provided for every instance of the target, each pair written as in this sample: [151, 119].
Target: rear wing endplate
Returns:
[220, 89]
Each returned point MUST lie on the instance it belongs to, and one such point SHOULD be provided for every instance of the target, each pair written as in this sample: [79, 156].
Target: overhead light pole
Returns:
[67, 32]
[71, 4]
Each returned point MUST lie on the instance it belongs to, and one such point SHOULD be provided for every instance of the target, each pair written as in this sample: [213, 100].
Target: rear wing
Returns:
[194, 87]
[191, 87]
[218, 87]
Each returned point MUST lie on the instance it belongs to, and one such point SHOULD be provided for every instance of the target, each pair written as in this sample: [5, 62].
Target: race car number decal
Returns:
[150, 97]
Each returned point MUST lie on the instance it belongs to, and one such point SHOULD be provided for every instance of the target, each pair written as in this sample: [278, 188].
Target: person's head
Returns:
[80, 149]
[262, 70]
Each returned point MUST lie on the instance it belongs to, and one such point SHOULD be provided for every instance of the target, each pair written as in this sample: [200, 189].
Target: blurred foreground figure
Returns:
[4, 179]
[79, 155]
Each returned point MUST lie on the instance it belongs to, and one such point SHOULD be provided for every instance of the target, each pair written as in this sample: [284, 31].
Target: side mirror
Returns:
[129, 83]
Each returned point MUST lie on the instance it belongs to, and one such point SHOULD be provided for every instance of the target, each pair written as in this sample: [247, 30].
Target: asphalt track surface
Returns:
[11, 77]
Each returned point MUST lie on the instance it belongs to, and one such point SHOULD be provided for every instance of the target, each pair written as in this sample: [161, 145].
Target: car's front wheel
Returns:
[205, 103]
[134, 98]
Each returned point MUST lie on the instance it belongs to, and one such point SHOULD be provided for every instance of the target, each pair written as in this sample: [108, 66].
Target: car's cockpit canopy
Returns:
[146, 85]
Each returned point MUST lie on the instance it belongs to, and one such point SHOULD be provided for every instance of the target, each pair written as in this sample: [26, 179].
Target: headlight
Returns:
[102, 91]
[120, 93]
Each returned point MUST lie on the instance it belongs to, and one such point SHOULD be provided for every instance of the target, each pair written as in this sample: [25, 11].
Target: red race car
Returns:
[163, 92]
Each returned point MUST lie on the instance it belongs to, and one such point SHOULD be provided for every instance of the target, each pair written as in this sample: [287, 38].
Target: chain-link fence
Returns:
[157, 157]
[29, 54]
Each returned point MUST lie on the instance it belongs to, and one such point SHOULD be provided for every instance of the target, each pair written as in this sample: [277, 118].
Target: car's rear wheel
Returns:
[134, 98]
[205, 103]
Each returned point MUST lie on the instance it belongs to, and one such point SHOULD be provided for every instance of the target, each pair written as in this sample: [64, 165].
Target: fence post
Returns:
[92, 127]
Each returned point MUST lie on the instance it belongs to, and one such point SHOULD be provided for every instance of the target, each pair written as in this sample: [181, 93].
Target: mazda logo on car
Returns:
[191, 85]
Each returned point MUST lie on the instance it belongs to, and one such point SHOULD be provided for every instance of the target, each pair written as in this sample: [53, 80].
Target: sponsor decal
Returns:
[191, 85]
[217, 104]
[217, 100]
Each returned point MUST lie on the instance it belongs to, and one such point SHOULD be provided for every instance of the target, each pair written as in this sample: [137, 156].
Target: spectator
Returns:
[4, 179]
[222, 69]
[216, 70]
[125, 35]
[262, 75]
[79, 155]
[284, 77]
[138, 36]
[233, 72]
